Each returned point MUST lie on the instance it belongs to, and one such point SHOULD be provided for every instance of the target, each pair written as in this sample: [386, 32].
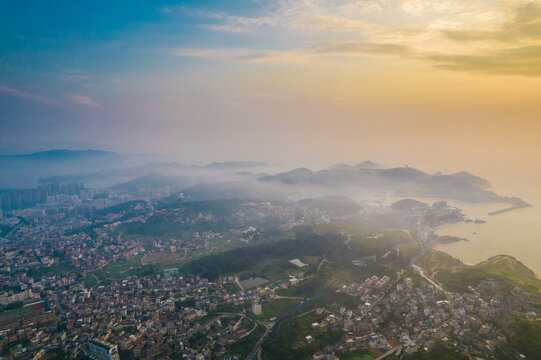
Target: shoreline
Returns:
[537, 276]
[501, 211]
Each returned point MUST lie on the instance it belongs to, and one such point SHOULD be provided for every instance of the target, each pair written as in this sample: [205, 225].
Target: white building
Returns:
[256, 308]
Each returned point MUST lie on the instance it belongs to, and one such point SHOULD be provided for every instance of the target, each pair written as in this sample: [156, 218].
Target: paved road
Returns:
[422, 273]
[388, 353]
[238, 283]
[421, 247]
[418, 268]
[267, 324]
[257, 347]
[321, 263]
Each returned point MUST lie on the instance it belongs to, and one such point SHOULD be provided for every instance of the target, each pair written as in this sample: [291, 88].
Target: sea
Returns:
[516, 233]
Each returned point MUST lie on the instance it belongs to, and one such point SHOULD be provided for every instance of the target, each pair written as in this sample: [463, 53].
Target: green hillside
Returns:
[501, 267]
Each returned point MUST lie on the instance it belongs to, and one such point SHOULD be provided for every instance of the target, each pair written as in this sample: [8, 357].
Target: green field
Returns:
[355, 355]
[119, 270]
[63, 267]
[278, 307]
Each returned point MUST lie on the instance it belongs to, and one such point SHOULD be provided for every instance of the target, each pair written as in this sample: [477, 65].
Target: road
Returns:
[421, 248]
[321, 263]
[388, 353]
[238, 283]
[422, 273]
[418, 268]
[267, 324]
[97, 268]
[257, 347]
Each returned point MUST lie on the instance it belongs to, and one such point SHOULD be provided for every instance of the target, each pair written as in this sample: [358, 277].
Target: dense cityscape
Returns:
[86, 271]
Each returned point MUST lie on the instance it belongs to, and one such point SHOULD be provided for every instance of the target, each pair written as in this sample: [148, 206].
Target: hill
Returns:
[64, 155]
[401, 181]
[25, 171]
[153, 180]
[504, 268]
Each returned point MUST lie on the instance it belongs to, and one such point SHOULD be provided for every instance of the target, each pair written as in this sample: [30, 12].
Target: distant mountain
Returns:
[24, 171]
[362, 165]
[64, 155]
[409, 204]
[154, 181]
[341, 167]
[367, 165]
[234, 190]
[101, 169]
[190, 174]
[353, 176]
[110, 177]
[463, 177]
[402, 181]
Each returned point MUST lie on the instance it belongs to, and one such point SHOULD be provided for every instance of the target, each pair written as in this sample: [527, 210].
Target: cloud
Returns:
[525, 60]
[34, 97]
[474, 36]
[295, 15]
[511, 48]
[82, 99]
[367, 17]
[525, 25]
[75, 77]
[342, 48]
[354, 48]
[195, 12]
[244, 55]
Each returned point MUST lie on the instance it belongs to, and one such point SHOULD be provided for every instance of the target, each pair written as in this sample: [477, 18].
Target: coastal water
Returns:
[516, 233]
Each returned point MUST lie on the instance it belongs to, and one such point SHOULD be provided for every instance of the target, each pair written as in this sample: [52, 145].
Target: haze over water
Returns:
[516, 233]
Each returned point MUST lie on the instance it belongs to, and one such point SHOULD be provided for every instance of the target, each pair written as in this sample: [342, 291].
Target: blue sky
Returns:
[62, 61]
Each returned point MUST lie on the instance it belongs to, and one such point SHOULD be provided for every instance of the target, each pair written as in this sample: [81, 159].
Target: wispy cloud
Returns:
[355, 48]
[524, 60]
[185, 10]
[341, 48]
[29, 96]
[474, 36]
[75, 77]
[83, 99]
[524, 26]
[244, 55]
[294, 15]
[79, 77]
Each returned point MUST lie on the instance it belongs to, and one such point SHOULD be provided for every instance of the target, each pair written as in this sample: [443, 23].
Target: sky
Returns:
[441, 84]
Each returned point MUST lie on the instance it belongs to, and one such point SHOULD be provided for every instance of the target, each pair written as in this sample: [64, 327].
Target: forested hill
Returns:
[239, 259]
